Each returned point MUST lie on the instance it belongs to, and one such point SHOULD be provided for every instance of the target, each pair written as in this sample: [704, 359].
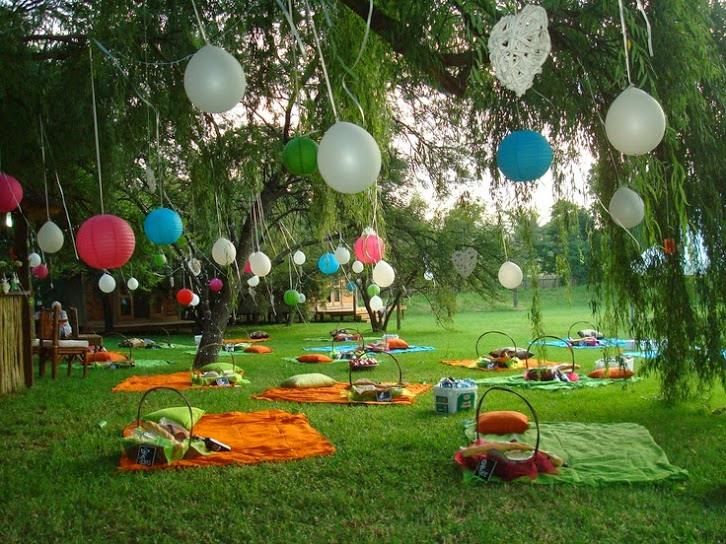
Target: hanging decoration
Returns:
[195, 300]
[428, 275]
[214, 80]
[669, 246]
[626, 208]
[301, 298]
[510, 275]
[369, 248]
[299, 258]
[254, 281]
[376, 303]
[349, 159]
[105, 241]
[524, 155]
[518, 47]
[327, 263]
[223, 252]
[194, 266]
[159, 260]
[342, 254]
[34, 260]
[260, 264]
[11, 193]
[357, 267]
[163, 226]
[464, 261]
[132, 284]
[300, 156]
[291, 297]
[40, 272]
[383, 274]
[50, 237]
[215, 285]
[373, 290]
[184, 296]
[351, 286]
[150, 178]
[107, 283]
[635, 123]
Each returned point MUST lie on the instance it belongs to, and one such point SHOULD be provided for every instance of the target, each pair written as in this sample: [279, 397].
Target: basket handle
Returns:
[585, 322]
[567, 345]
[361, 340]
[395, 360]
[507, 390]
[478, 340]
[220, 345]
[189, 406]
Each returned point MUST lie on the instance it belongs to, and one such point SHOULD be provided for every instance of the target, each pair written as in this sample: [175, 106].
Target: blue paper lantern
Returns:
[524, 155]
[351, 286]
[328, 264]
[163, 226]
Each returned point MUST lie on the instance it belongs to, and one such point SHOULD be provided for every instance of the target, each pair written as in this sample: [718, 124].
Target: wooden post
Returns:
[398, 316]
[515, 297]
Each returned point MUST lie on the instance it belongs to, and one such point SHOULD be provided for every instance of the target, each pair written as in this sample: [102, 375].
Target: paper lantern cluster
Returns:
[300, 156]
[163, 226]
[524, 155]
[105, 241]
[11, 193]
[214, 80]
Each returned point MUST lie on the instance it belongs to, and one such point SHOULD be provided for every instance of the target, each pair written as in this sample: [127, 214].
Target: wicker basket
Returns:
[545, 374]
[383, 392]
[197, 374]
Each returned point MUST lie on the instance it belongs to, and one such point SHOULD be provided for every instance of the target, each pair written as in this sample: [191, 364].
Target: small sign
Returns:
[223, 381]
[384, 396]
[485, 469]
[146, 455]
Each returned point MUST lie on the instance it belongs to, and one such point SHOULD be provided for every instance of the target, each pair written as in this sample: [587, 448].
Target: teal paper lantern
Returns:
[351, 286]
[291, 297]
[524, 155]
[163, 226]
[373, 290]
[300, 156]
[328, 264]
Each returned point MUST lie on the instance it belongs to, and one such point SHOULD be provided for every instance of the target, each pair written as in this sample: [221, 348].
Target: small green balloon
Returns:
[373, 290]
[300, 156]
[291, 297]
[159, 260]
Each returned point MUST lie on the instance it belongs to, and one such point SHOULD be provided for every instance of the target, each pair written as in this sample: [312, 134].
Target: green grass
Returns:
[392, 478]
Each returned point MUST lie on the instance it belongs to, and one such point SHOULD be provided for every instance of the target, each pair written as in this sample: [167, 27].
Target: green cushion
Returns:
[220, 367]
[308, 380]
[178, 414]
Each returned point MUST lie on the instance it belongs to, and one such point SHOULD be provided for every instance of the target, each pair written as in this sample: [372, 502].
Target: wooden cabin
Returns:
[340, 304]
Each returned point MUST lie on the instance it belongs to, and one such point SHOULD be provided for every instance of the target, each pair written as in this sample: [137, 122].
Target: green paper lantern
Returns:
[291, 297]
[159, 260]
[373, 290]
[300, 156]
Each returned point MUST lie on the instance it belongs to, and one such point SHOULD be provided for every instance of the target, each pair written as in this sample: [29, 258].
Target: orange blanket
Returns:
[335, 394]
[255, 437]
[244, 340]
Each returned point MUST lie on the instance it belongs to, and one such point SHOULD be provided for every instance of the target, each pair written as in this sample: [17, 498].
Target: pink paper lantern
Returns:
[105, 241]
[184, 296]
[248, 268]
[11, 193]
[369, 248]
[40, 272]
[215, 285]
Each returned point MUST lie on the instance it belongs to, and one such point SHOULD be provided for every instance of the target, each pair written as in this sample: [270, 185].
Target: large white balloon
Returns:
[357, 267]
[195, 300]
[342, 255]
[626, 208]
[34, 260]
[635, 123]
[298, 258]
[254, 281]
[106, 283]
[510, 275]
[349, 159]
[132, 284]
[260, 264]
[376, 303]
[213, 80]
[223, 252]
[50, 237]
[383, 274]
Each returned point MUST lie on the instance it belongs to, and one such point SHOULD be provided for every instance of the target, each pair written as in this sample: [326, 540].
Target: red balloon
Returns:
[215, 285]
[369, 248]
[40, 272]
[184, 296]
[105, 241]
[248, 268]
[11, 193]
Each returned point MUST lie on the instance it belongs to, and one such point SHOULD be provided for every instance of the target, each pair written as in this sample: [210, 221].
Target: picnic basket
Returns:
[548, 373]
[363, 390]
[505, 358]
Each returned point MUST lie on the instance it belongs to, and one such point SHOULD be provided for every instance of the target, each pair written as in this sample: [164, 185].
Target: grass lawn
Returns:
[392, 478]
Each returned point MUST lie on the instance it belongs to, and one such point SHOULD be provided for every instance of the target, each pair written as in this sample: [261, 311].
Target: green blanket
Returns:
[150, 363]
[598, 453]
[221, 352]
[556, 385]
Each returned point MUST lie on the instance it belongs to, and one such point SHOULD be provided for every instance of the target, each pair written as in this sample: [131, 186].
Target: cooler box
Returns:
[450, 400]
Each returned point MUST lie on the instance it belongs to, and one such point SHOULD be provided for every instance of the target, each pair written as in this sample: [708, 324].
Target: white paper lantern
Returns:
[428, 275]
[635, 123]
[376, 303]
[349, 159]
[213, 80]
[510, 275]
[195, 267]
[357, 267]
[223, 252]
[50, 237]
[106, 283]
[301, 298]
[132, 284]
[383, 274]
[260, 264]
[254, 281]
[34, 260]
[298, 258]
[195, 300]
[626, 208]
[342, 255]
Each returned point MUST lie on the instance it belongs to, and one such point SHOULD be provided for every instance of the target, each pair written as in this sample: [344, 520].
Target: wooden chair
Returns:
[48, 345]
[95, 341]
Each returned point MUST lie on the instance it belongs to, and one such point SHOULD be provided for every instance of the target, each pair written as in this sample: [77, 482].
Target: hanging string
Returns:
[618, 223]
[219, 214]
[288, 16]
[625, 40]
[322, 60]
[641, 9]
[95, 129]
[199, 23]
[45, 176]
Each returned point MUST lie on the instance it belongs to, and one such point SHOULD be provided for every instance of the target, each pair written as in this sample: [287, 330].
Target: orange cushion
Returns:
[314, 358]
[612, 372]
[397, 343]
[503, 422]
[258, 349]
[105, 357]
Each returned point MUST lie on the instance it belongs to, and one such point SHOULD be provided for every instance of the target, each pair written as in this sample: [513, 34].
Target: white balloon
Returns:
[260, 264]
[342, 255]
[383, 274]
[223, 252]
[132, 284]
[298, 258]
[195, 267]
[635, 123]
[50, 237]
[376, 303]
[195, 300]
[428, 275]
[349, 159]
[106, 283]
[34, 260]
[357, 267]
[213, 80]
[626, 208]
[301, 298]
[510, 275]
[254, 281]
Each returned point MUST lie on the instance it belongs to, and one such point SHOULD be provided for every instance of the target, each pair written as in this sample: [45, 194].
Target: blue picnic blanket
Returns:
[602, 343]
[345, 348]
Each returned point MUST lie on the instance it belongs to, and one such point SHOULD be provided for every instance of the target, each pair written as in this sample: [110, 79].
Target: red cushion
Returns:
[314, 358]
[503, 422]
[611, 372]
[258, 349]
[397, 343]
[105, 357]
